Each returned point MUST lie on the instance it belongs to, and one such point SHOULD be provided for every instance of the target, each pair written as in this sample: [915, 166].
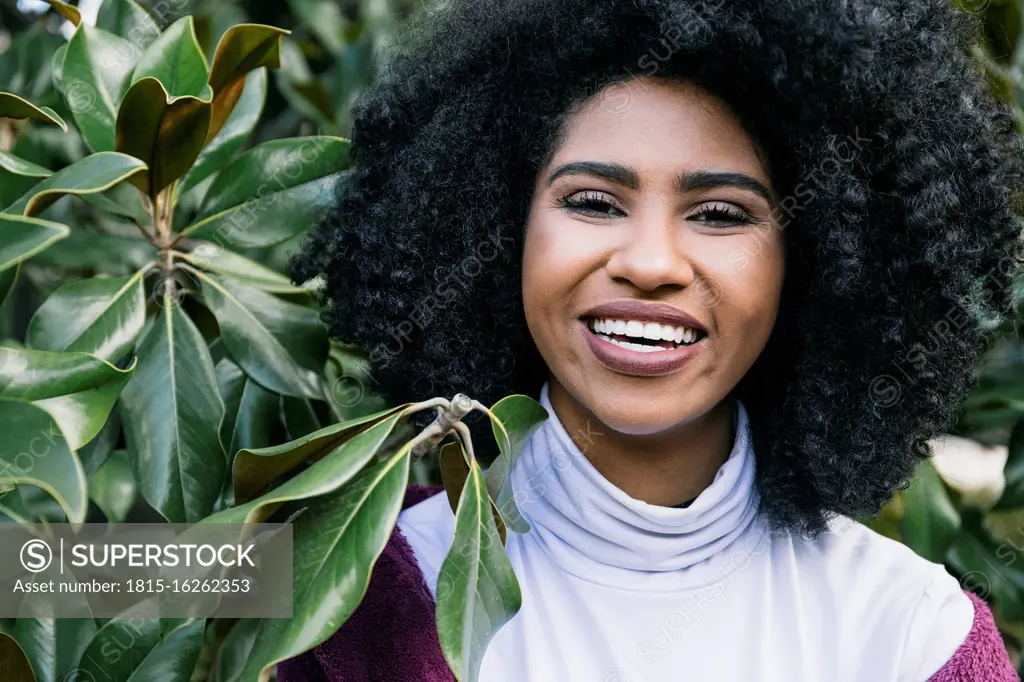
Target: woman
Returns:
[701, 233]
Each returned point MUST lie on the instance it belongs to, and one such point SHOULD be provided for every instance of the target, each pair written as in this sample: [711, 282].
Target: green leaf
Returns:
[56, 68]
[54, 645]
[477, 589]
[84, 250]
[990, 567]
[95, 73]
[112, 487]
[172, 413]
[176, 60]
[129, 19]
[123, 199]
[94, 453]
[77, 389]
[513, 420]
[325, 19]
[95, 173]
[17, 176]
[167, 134]
[271, 193]
[241, 49]
[14, 664]
[174, 658]
[69, 12]
[234, 132]
[17, 166]
[324, 477]
[131, 636]
[255, 468]
[236, 649]
[281, 345]
[930, 521]
[102, 316]
[250, 411]
[7, 279]
[212, 258]
[300, 417]
[33, 451]
[13, 106]
[22, 238]
[337, 542]
[1013, 495]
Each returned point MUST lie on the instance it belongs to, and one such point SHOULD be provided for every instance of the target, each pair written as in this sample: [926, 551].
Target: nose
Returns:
[651, 254]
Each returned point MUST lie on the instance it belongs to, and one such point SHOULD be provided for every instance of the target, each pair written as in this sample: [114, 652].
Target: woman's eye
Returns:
[591, 203]
[721, 215]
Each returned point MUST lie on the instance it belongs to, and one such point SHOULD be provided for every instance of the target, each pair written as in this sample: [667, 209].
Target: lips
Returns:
[629, 309]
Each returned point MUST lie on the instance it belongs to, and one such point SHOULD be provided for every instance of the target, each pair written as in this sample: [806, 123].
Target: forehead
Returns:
[657, 125]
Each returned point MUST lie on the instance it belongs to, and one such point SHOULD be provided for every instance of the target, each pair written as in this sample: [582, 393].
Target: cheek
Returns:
[556, 258]
[745, 282]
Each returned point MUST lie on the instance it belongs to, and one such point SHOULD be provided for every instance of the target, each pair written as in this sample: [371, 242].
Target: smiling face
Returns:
[656, 220]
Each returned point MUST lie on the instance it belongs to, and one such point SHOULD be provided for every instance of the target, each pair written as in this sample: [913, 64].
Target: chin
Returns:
[637, 420]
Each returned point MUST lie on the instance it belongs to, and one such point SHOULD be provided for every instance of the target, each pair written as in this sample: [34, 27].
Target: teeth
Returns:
[644, 330]
[639, 347]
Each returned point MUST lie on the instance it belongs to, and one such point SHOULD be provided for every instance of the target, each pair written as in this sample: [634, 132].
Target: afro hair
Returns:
[901, 172]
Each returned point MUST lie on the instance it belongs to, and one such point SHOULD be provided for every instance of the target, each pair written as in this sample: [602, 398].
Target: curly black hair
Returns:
[902, 176]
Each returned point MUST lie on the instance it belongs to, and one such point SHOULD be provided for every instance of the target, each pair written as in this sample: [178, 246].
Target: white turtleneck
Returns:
[619, 590]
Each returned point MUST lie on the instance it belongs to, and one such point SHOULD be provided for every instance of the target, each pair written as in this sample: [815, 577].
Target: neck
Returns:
[664, 468]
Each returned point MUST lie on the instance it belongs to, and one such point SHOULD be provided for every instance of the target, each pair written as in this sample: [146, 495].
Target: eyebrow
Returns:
[684, 182]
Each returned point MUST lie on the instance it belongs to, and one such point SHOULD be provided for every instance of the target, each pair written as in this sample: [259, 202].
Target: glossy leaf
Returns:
[930, 521]
[255, 469]
[323, 478]
[7, 279]
[241, 49]
[77, 390]
[300, 417]
[281, 345]
[102, 316]
[14, 664]
[66, 10]
[337, 542]
[174, 658]
[17, 176]
[129, 19]
[123, 199]
[132, 635]
[250, 411]
[112, 487]
[54, 645]
[325, 19]
[212, 258]
[93, 454]
[22, 238]
[990, 567]
[95, 173]
[13, 106]
[270, 193]
[477, 588]
[34, 452]
[1013, 494]
[57, 68]
[236, 649]
[453, 462]
[95, 73]
[176, 60]
[513, 421]
[172, 413]
[167, 135]
[234, 132]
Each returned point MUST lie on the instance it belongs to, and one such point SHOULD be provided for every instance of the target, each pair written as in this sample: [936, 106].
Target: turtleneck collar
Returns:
[596, 531]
